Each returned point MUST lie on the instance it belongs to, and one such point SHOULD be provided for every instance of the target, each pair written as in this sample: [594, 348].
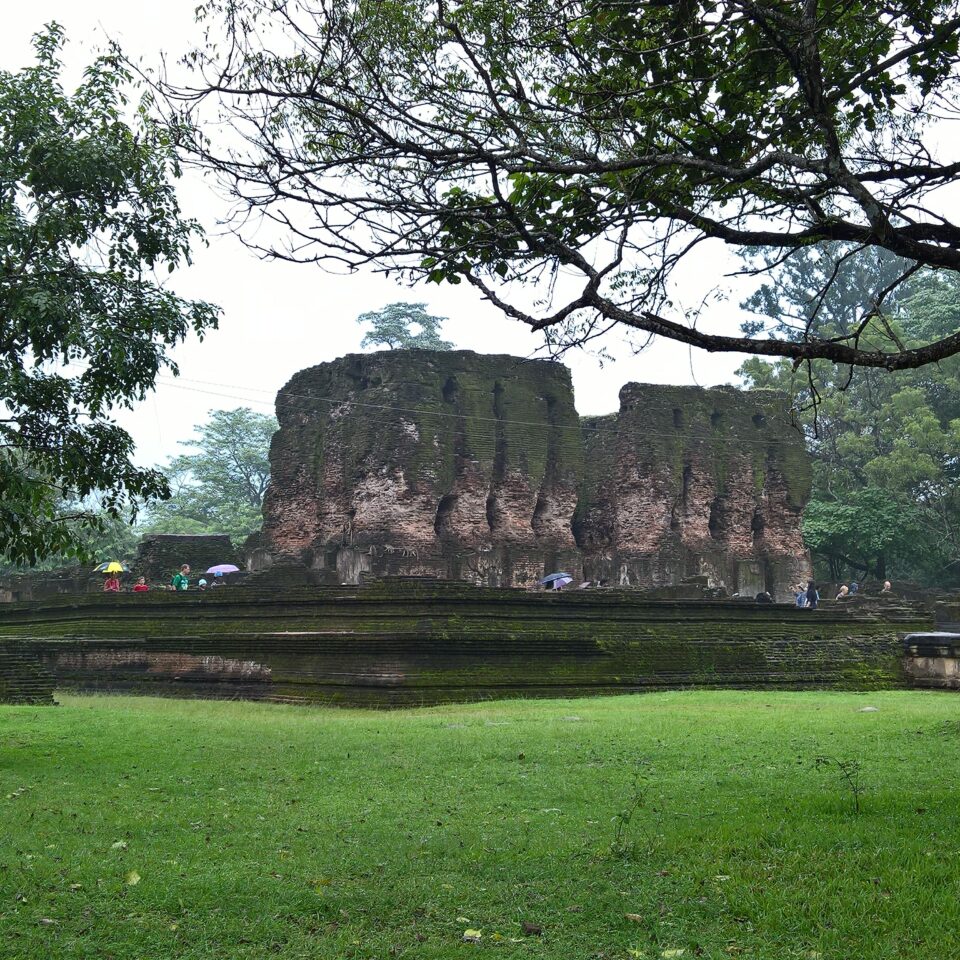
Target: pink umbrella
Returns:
[222, 568]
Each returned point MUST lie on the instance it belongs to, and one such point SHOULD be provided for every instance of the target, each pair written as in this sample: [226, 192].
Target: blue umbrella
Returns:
[555, 576]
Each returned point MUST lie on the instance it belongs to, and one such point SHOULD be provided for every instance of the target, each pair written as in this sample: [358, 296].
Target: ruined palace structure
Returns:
[462, 466]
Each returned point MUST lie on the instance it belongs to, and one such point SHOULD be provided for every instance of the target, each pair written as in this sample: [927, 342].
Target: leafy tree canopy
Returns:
[108, 537]
[88, 214]
[391, 326]
[593, 143]
[220, 487]
[886, 447]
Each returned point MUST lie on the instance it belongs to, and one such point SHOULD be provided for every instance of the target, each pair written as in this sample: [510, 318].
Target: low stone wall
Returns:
[408, 642]
[25, 677]
[933, 660]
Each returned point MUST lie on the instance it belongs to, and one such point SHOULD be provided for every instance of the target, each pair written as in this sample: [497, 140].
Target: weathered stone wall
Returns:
[404, 642]
[477, 467]
[424, 463]
[24, 676]
[686, 482]
[933, 660]
[160, 555]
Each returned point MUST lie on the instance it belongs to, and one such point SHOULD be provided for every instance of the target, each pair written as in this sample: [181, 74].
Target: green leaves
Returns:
[219, 488]
[886, 447]
[391, 326]
[87, 212]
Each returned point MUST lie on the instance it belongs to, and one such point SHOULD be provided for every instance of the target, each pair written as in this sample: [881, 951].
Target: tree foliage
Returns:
[588, 148]
[88, 213]
[110, 536]
[391, 327]
[886, 448]
[220, 487]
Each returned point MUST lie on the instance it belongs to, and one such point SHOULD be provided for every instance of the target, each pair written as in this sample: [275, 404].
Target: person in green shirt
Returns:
[181, 580]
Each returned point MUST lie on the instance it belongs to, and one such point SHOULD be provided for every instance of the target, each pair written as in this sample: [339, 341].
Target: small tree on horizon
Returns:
[390, 326]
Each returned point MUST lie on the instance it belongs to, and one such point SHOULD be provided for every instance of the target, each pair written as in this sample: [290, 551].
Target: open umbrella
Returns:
[112, 566]
[222, 568]
[555, 576]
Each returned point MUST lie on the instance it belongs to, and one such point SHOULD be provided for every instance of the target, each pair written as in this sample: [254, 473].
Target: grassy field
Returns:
[610, 828]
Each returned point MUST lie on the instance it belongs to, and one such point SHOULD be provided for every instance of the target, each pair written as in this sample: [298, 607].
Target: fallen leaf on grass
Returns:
[47, 922]
[463, 919]
[635, 917]
[132, 878]
[673, 953]
[119, 845]
[472, 936]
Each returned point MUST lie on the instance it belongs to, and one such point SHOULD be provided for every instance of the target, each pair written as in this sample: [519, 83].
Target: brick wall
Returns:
[25, 676]
[422, 641]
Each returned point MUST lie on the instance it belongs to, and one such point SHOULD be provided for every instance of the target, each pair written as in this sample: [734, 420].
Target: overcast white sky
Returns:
[279, 318]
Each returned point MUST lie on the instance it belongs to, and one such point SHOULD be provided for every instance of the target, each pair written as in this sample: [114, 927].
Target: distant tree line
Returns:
[885, 446]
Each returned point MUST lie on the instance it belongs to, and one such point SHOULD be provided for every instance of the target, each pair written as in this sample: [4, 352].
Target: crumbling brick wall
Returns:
[459, 465]
[399, 642]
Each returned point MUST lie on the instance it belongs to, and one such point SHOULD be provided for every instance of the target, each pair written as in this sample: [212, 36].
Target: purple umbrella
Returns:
[222, 568]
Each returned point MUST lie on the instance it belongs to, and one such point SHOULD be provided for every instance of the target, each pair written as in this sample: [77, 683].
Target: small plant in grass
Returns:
[622, 844]
[848, 772]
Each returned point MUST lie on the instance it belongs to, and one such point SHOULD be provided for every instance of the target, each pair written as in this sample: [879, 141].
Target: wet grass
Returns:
[609, 828]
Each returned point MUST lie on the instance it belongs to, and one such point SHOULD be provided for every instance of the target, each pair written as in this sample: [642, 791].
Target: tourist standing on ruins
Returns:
[141, 585]
[181, 580]
[844, 591]
[111, 585]
[813, 598]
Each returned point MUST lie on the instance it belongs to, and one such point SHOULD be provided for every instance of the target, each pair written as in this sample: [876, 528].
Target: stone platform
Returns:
[406, 642]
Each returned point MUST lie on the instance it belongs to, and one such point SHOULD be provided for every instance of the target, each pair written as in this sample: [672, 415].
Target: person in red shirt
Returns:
[111, 585]
[141, 585]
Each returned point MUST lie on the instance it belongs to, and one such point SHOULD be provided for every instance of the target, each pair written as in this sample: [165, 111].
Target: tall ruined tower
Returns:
[478, 467]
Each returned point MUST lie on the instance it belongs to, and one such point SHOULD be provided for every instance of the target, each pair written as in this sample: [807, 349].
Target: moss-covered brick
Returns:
[469, 466]
[409, 641]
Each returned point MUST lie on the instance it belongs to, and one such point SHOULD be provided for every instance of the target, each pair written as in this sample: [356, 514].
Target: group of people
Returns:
[180, 581]
[112, 585]
[808, 596]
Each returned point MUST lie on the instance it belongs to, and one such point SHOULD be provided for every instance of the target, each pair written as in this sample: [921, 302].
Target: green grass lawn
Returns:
[141, 828]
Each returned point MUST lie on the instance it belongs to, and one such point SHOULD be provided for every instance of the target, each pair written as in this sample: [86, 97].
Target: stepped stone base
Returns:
[25, 677]
[404, 642]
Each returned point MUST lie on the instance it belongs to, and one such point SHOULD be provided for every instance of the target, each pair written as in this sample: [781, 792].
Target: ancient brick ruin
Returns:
[457, 465]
